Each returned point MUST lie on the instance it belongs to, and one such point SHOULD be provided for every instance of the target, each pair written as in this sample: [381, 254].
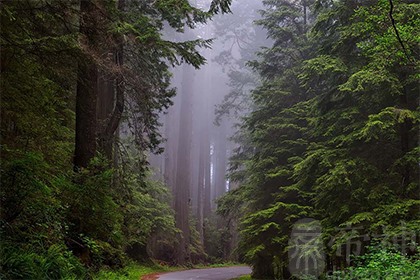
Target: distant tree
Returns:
[183, 177]
[242, 39]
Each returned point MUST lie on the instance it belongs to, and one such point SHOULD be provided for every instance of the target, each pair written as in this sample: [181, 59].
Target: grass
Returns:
[226, 264]
[243, 277]
[131, 272]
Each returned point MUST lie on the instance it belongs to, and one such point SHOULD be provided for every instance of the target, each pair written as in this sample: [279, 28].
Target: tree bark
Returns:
[207, 180]
[172, 134]
[182, 186]
[105, 106]
[220, 161]
[87, 90]
[204, 156]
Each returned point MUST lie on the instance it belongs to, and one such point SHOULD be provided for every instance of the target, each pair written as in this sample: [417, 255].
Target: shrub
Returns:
[55, 263]
[382, 263]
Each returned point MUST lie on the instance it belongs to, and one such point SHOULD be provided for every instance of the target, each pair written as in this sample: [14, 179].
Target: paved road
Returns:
[220, 273]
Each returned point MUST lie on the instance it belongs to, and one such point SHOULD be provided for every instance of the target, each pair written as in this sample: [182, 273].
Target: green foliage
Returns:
[245, 277]
[97, 215]
[213, 241]
[131, 272]
[276, 127]
[55, 263]
[41, 212]
[145, 203]
[28, 193]
[381, 263]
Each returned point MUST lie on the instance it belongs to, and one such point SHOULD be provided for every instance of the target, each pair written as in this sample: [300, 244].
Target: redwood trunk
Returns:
[182, 186]
[87, 90]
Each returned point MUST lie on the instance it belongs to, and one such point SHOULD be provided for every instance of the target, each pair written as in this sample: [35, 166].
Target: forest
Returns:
[280, 134]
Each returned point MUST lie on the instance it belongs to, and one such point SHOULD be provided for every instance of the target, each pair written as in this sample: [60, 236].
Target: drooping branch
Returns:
[397, 33]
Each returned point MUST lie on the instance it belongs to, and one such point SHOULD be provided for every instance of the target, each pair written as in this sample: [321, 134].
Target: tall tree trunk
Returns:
[207, 180]
[182, 187]
[172, 134]
[220, 161]
[170, 150]
[105, 106]
[87, 89]
[195, 162]
[204, 155]
[200, 194]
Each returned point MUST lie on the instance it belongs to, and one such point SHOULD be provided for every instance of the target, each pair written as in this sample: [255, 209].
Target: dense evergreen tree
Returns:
[276, 128]
[368, 138]
[333, 134]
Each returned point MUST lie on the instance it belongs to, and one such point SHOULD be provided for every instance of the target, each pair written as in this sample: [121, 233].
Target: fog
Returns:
[209, 104]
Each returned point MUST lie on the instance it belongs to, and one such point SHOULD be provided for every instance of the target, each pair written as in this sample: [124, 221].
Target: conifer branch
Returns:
[397, 33]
